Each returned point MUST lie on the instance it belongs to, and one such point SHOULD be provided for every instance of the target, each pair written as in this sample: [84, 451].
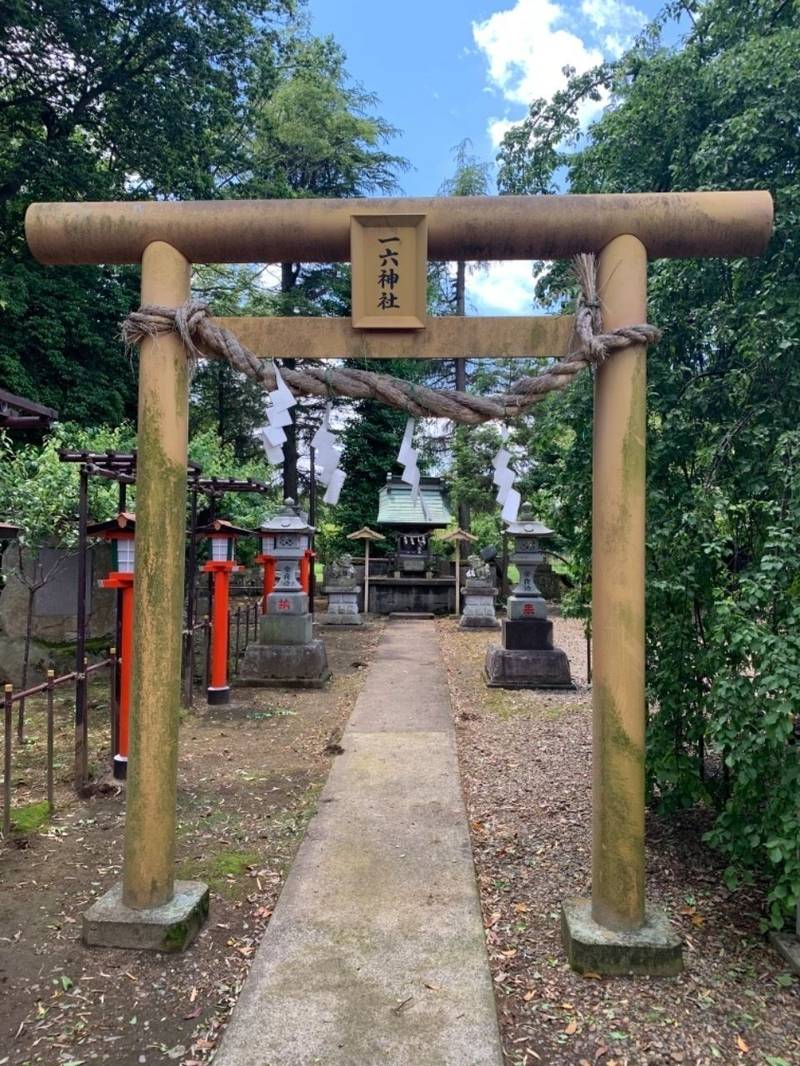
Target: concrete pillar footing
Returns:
[109, 923]
[653, 949]
[788, 944]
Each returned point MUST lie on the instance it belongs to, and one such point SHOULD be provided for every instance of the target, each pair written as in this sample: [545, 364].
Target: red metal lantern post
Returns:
[120, 531]
[221, 565]
[268, 562]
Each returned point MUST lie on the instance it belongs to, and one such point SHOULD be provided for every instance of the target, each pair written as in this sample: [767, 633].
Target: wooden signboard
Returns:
[389, 255]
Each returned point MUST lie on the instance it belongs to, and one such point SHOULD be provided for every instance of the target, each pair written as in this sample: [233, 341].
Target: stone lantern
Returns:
[526, 601]
[286, 652]
[527, 658]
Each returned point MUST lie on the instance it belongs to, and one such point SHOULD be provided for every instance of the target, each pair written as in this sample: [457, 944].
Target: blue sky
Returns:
[445, 70]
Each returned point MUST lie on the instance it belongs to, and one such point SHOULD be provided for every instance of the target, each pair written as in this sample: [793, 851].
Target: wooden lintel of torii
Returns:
[453, 337]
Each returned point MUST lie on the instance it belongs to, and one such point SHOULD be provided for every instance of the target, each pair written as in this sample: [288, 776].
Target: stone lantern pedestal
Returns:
[286, 653]
[527, 658]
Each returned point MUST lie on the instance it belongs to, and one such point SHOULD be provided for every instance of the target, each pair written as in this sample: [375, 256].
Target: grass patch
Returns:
[31, 817]
[221, 872]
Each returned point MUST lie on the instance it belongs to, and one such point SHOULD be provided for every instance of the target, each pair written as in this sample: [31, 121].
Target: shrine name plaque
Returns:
[389, 255]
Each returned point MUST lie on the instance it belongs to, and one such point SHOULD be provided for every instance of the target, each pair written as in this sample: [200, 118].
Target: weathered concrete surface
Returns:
[171, 927]
[653, 949]
[375, 954]
[285, 665]
[788, 944]
[530, 668]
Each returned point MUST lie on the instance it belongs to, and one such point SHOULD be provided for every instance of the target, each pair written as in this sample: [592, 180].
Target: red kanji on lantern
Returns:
[283, 605]
[528, 609]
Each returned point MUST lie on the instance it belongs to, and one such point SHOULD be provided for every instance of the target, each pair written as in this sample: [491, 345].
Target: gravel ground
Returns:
[526, 771]
[249, 777]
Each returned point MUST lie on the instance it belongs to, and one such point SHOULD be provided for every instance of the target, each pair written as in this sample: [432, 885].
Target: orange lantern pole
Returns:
[305, 570]
[222, 564]
[268, 563]
[120, 531]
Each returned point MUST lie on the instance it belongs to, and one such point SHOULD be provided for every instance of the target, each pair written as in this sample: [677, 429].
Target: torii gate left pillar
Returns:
[149, 908]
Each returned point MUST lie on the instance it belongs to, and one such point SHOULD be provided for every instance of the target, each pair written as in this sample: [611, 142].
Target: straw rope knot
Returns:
[204, 339]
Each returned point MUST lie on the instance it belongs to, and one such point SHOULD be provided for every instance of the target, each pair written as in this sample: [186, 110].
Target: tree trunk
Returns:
[289, 275]
[464, 517]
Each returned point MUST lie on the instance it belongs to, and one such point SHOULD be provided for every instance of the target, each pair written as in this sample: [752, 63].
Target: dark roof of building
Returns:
[397, 508]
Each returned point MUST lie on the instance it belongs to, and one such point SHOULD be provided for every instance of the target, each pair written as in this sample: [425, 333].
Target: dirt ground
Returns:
[249, 778]
[526, 769]
[250, 774]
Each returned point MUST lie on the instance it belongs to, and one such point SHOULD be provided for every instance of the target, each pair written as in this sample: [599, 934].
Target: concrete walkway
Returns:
[375, 955]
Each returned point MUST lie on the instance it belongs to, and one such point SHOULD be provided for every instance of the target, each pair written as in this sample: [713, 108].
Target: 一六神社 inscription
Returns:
[389, 262]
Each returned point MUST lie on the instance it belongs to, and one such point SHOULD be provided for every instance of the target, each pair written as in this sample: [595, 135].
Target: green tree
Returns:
[472, 177]
[315, 135]
[120, 100]
[719, 110]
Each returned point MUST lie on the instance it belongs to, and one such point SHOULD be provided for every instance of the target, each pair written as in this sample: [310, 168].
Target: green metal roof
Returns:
[396, 507]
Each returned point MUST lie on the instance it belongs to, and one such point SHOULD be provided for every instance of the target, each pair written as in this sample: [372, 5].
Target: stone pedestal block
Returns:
[342, 606]
[286, 629]
[172, 927]
[653, 949]
[530, 634]
[478, 612]
[547, 668]
[526, 607]
[285, 665]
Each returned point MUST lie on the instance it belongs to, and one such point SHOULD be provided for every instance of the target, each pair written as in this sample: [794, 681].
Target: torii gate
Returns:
[167, 237]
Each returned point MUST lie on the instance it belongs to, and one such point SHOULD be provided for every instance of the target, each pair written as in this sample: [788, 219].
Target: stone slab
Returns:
[375, 954]
[655, 949]
[526, 607]
[294, 603]
[108, 923]
[286, 629]
[788, 944]
[478, 621]
[273, 665]
[527, 634]
[527, 669]
[328, 619]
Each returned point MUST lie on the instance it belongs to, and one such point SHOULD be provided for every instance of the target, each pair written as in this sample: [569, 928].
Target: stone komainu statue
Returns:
[342, 569]
[478, 569]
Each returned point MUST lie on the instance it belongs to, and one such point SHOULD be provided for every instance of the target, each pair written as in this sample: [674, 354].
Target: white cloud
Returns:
[527, 46]
[498, 128]
[503, 288]
[527, 50]
[613, 15]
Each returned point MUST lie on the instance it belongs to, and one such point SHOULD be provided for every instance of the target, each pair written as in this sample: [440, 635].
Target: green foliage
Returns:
[718, 110]
[137, 98]
[40, 493]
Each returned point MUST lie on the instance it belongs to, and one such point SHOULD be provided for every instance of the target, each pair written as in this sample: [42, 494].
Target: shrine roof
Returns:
[397, 508]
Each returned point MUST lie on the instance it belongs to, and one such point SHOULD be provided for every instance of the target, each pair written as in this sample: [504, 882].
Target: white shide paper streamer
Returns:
[507, 496]
[407, 457]
[279, 415]
[327, 455]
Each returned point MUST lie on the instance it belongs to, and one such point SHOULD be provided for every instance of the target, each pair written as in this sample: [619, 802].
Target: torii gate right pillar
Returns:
[615, 932]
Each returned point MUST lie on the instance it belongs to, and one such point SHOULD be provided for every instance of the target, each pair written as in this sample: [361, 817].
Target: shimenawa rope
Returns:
[203, 338]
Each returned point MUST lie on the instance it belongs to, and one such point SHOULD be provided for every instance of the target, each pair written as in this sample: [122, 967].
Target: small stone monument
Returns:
[527, 658]
[479, 594]
[286, 652]
[342, 592]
